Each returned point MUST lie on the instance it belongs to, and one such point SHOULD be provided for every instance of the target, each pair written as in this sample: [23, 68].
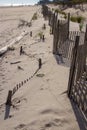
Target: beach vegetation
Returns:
[11, 48]
[70, 3]
[52, 9]
[35, 16]
[44, 2]
[50, 30]
[24, 23]
[81, 26]
[61, 12]
[40, 34]
[77, 19]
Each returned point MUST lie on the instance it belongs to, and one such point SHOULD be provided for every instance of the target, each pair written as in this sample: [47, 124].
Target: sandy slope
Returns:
[41, 103]
[10, 18]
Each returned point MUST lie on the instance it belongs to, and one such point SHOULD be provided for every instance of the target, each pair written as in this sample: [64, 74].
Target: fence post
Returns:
[72, 68]
[53, 19]
[21, 50]
[49, 16]
[43, 38]
[57, 36]
[53, 39]
[30, 33]
[40, 63]
[86, 33]
[68, 24]
[85, 48]
[8, 102]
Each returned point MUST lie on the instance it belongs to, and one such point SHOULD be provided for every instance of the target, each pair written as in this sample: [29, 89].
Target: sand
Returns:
[42, 102]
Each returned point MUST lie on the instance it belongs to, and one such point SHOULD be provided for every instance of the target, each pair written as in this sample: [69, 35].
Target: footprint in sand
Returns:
[1, 89]
[40, 124]
[2, 108]
[16, 103]
[20, 126]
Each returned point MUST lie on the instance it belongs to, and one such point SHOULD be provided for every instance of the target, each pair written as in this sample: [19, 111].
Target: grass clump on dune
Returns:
[35, 16]
[40, 34]
[77, 19]
[61, 12]
[11, 48]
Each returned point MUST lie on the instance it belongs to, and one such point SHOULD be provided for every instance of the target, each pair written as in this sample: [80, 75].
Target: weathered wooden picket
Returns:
[72, 46]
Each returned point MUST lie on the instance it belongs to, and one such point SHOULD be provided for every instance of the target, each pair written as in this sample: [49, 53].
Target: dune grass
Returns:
[77, 19]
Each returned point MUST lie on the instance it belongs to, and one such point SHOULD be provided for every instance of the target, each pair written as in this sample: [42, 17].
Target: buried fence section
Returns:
[16, 88]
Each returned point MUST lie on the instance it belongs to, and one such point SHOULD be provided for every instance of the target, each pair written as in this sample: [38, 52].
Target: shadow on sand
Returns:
[7, 111]
[61, 60]
[79, 117]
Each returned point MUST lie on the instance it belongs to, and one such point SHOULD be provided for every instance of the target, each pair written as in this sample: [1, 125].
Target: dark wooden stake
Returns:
[43, 38]
[21, 50]
[30, 33]
[44, 26]
[8, 102]
[68, 24]
[40, 63]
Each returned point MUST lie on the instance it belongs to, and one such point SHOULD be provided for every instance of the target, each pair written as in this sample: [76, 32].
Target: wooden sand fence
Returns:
[72, 46]
[22, 83]
[59, 28]
[77, 85]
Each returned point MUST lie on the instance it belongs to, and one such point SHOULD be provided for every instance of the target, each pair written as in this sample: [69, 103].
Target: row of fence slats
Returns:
[79, 94]
[72, 46]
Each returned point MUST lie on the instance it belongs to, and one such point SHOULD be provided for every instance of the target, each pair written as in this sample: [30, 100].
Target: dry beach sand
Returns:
[41, 103]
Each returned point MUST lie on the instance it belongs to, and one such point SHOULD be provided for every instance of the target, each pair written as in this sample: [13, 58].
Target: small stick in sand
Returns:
[21, 50]
[43, 38]
[31, 33]
[15, 62]
[40, 37]
[19, 67]
[44, 26]
[40, 63]
[22, 83]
